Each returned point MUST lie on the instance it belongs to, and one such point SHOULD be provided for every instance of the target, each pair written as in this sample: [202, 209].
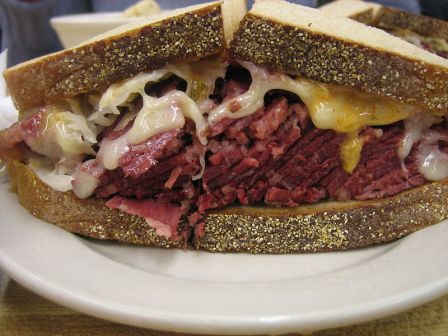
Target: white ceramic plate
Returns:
[220, 293]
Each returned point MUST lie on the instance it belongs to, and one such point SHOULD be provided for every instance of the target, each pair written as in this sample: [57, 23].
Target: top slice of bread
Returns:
[182, 35]
[306, 42]
[233, 11]
[351, 8]
[391, 18]
[387, 18]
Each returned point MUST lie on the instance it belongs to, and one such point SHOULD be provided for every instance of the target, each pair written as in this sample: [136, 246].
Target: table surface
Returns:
[25, 313]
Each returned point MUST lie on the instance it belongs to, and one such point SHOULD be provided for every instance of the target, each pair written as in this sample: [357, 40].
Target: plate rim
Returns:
[191, 323]
[373, 311]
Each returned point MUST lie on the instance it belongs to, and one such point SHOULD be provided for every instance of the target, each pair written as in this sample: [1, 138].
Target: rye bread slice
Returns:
[392, 18]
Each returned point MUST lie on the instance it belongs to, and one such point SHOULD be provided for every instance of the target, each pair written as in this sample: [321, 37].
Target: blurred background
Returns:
[27, 33]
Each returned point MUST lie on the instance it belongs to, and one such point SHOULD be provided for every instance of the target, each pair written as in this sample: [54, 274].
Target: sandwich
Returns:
[287, 137]
[168, 61]
[142, 8]
[423, 31]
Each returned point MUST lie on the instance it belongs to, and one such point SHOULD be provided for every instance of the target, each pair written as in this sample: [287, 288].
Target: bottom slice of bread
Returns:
[322, 227]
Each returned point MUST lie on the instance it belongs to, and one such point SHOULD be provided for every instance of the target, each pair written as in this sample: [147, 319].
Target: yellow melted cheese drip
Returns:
[349, 111]
[350, 152]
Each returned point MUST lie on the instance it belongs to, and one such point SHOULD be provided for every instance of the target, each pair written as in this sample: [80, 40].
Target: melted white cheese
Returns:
[64, 134]
[157, 115]
[48, 173]
[433, 164]
[253, 99]
[84, 184]
[415, 127]
[339, 109]
[65, 138]
[118, 94]
[111, 151]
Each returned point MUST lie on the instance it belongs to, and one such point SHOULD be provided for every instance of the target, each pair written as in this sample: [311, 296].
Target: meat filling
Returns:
[275, 156]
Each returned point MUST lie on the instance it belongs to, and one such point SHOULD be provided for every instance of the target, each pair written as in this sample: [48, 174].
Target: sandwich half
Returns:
[423, 31]
[66, 110]
[299, 139]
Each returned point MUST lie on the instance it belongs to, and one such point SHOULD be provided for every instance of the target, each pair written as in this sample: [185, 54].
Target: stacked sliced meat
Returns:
[153, 181]
[140, 164]
[281, 159]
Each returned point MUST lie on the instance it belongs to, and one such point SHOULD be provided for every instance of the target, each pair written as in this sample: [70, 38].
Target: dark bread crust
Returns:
[87, 217]
[367, 17]
[96, 65]
[329, 60]
[321, 227]
[391, 18]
